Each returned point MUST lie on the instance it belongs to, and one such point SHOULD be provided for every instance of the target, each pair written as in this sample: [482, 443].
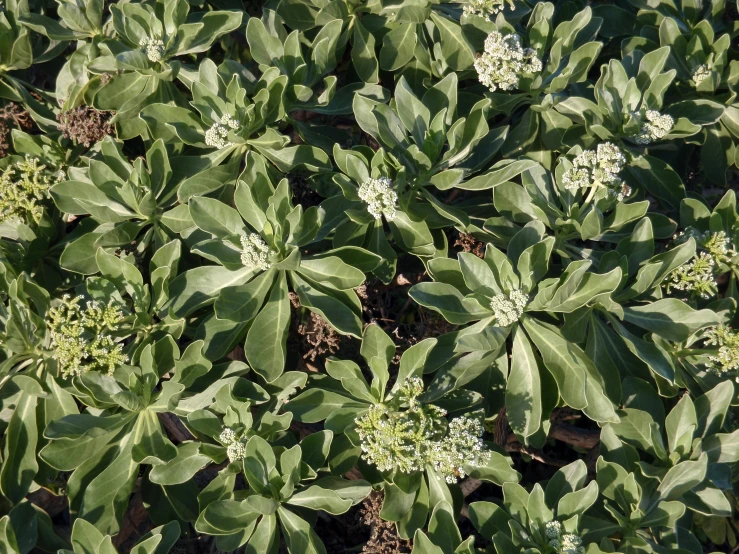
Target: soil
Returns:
[12, 116]
[383, 538]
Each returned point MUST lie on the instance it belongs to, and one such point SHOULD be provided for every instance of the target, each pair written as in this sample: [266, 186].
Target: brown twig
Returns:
[581, 438]
[536, 454]
[176, 431]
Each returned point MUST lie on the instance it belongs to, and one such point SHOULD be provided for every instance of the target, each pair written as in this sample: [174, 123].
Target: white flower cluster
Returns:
[486, 8]
[508, 308]
[235, 446]
[656, 127]
[695, 276]
[216, 135]
[461, 444]
[700, 74]
[599, 167]
[79, 338]
[504, 60]
[379, 197]
[406, 436]
[563, 543]
[153, 47]
[254, 252]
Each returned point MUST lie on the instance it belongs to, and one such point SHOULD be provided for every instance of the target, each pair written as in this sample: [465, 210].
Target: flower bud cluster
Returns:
[508, 308]
[23, 186]
[700, 74]
[699, 274]
[235, 445]
[563, 543]
[379, 197]
[727, 359]
[486, 8]
[504, 60]
[695, 277]
[718, 245]
[655, 128]
[218, 132]
[80, 336]
[599, 167]
[153, 47]
[406, 436]
[254, 252]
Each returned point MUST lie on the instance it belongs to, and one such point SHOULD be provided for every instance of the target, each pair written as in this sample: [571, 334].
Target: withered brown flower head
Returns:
[85, 125]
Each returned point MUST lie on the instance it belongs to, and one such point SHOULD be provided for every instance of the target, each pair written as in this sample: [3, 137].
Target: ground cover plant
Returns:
[372, 276]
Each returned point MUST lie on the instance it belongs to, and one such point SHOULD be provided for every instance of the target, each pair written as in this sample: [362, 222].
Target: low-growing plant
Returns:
[369, 276]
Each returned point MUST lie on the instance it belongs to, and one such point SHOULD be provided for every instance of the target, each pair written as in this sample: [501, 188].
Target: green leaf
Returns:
[182, 467]
[397, 46]
[523, 388]
[455, 49]
[670, 318]
[682, 477]
[19, 465]
[265, 346]
[318, 498]
[447, 300]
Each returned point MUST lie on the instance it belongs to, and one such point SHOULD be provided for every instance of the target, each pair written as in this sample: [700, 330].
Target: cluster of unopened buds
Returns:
[508, 308]
[153, 47]
[700, 74]
[254, 252]
[80, 337]
[486, 8]
[656, 127]
[405, 435]
[599, 167]
[716, 244]
[504, 61]
[23, 186]
[218, 133]
[698, 276]
[379, 196]
[726, 361]
[235, 445]
[563, 543]
[695, 277]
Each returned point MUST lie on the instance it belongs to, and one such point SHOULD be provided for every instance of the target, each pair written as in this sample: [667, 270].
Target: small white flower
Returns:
[153, 47]
[379, 197]
[230, 122]
[254, 252]
[599, 167]
[656, 127]
[553, 529]
[504, 60]
[236, 451]
[461, 446]
[700, 74]
[405, 435]
[227, 436]
[571, 544]
[508, 308]
[218, 132]
[486, 8]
